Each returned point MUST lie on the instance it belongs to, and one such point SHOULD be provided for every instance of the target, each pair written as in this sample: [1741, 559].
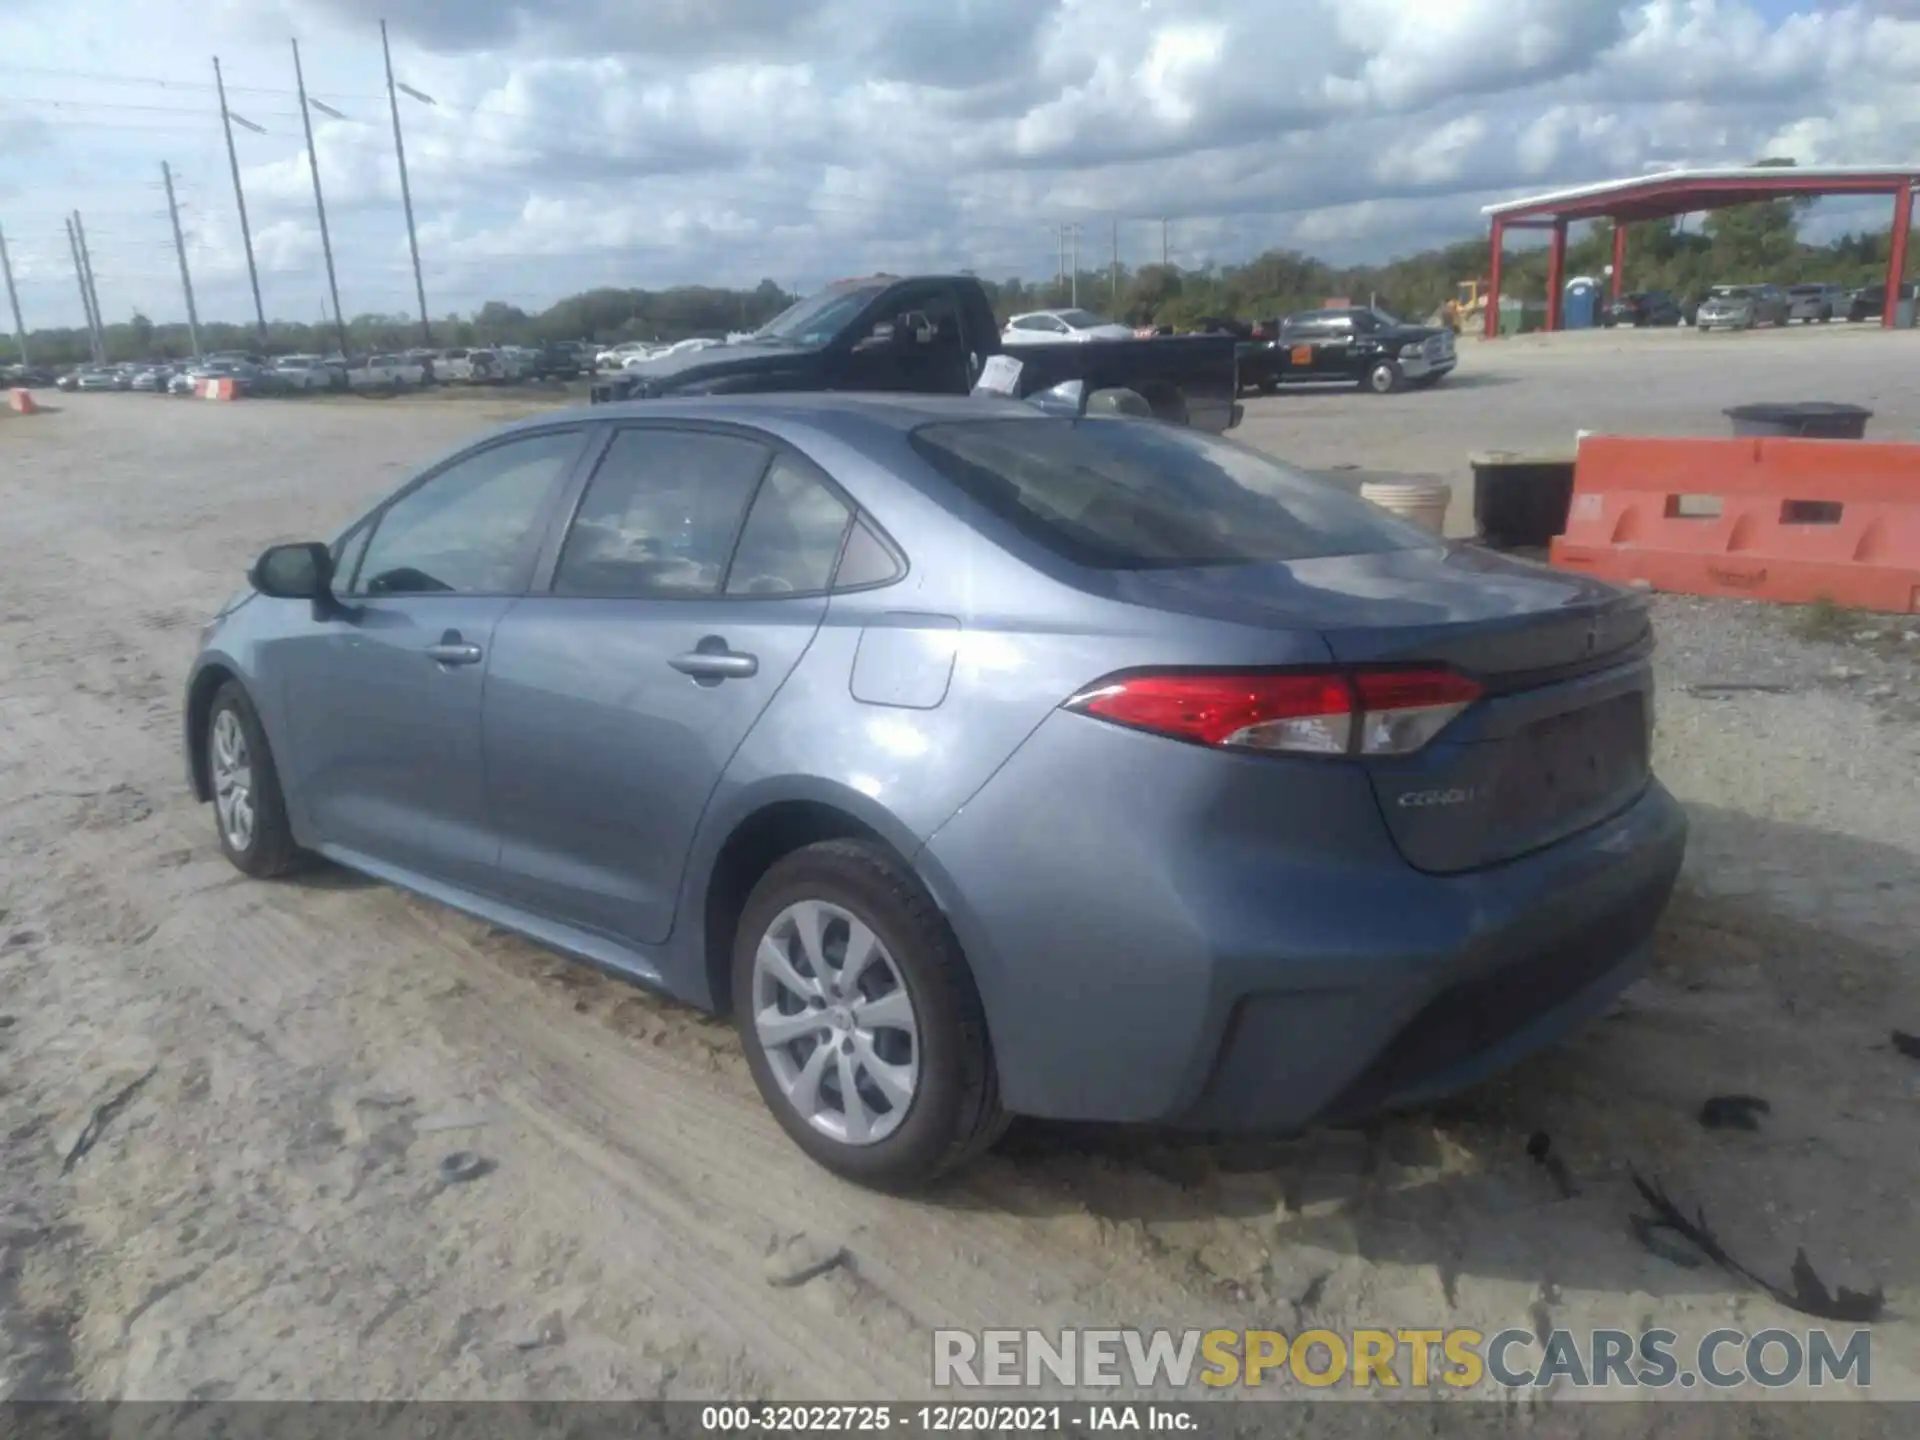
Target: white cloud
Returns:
[579, 142]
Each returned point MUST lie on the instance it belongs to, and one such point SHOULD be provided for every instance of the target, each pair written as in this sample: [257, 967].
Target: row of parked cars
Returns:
[256, 374]
[1742, 307]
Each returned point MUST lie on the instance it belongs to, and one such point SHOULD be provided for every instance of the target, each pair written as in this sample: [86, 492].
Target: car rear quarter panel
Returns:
[1023, 638]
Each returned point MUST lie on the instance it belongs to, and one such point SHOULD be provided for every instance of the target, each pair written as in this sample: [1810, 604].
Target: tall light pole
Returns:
[93, 290]
[406, 192]
[180, 248]
[86, 300]
[227, 119]
[319, 200]
[13, 299]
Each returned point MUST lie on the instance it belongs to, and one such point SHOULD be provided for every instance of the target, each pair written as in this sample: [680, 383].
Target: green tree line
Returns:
[1746, 243]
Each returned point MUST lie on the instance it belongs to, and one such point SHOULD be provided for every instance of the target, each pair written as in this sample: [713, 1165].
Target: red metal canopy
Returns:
[1684, 192]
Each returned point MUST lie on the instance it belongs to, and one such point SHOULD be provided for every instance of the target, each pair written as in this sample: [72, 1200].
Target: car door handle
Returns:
[454, 652]
[716, 664]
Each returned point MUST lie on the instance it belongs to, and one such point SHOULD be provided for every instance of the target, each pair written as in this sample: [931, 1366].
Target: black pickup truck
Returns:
[934, 334]
[1363, 347]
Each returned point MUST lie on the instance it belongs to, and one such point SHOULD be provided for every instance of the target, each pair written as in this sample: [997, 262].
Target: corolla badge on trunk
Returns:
[1425, 799]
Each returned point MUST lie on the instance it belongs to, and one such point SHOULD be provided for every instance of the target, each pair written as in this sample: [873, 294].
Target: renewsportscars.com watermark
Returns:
[1376, 1359]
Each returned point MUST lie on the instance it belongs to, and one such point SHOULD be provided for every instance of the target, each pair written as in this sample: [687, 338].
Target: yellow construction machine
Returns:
[1466, 310]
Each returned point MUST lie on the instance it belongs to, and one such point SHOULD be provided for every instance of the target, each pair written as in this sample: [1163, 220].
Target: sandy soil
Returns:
[226, 1107]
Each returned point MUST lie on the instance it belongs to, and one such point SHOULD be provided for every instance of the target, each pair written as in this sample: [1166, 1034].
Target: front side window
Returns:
[659, 518]
[819, 318]
[473, 528]
[1117, 496]
[347, 551]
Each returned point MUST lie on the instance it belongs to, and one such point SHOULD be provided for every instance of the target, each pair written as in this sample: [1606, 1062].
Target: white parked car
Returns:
[1048, 327]
[616, 356]
[304, 372]
[660, 352]
[516, 362]
[383, 371]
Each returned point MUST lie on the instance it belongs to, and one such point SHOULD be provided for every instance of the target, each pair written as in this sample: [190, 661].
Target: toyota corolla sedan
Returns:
[979, 761]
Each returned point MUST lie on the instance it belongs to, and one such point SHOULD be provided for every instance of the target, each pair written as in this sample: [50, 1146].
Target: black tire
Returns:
[271, 851]
[955, 1111]
[1384, 378]
[1269, 384]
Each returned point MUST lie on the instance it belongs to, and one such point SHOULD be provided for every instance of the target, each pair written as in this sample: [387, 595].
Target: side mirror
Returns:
[294, 572]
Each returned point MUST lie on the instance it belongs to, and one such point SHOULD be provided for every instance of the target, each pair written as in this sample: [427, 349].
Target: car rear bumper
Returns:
[1154, 943]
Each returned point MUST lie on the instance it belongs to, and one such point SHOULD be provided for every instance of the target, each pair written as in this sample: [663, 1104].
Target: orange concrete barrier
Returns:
[218, 389]
[1793, 521]
[21, 402]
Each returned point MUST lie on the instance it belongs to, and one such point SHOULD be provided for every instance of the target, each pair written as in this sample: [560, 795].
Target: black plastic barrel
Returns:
[1807, 420]
[1520, 502]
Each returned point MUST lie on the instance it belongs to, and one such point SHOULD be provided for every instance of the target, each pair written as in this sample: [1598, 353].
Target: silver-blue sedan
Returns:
[980, 761]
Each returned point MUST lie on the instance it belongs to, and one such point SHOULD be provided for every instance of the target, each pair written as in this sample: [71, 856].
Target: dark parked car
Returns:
[1870, 301]
[980, 761]
[934, 335]
[1643, 307]
[28, 377]
[1354, 345]
[557, 362]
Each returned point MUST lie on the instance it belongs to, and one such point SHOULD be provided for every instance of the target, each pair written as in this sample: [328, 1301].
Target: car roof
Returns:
[828, 411]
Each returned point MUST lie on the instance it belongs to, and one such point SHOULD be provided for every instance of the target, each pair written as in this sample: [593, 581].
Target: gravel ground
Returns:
[225, 1106]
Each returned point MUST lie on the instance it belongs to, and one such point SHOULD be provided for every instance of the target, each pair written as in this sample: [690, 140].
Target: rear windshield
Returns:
[1129, 495]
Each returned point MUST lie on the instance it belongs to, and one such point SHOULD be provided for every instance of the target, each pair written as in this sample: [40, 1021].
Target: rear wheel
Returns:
[860, 1020]
[1384, 378]
[1269, 384]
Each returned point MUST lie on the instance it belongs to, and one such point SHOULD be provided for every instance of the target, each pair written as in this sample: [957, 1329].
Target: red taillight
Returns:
[1321, 712]
[1259, 332]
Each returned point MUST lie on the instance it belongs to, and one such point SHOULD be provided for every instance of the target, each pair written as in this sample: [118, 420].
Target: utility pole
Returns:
[319, 200]
[93, 290]
[86, 300]
[1073, 261]
[406, 193]
[1060, 268]
[1166, 250]
[180, 247]
[1116, 265]
[240, 199]
[13, 299]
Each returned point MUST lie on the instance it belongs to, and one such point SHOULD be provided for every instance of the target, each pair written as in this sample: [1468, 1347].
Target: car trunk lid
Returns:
[1559, 739]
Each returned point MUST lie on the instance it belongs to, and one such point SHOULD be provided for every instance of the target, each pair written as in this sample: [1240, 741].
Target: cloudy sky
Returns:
[653, 142]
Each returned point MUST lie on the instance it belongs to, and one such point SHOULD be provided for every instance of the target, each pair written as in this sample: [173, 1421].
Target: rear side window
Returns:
[660, 515]
[1127, 495]
[792, 536]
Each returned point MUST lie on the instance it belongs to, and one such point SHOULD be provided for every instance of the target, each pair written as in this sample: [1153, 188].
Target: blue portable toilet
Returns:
[1580, 303]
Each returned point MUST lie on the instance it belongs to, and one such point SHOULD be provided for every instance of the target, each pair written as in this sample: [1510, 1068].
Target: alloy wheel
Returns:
[834, 1018]
[232, 765]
